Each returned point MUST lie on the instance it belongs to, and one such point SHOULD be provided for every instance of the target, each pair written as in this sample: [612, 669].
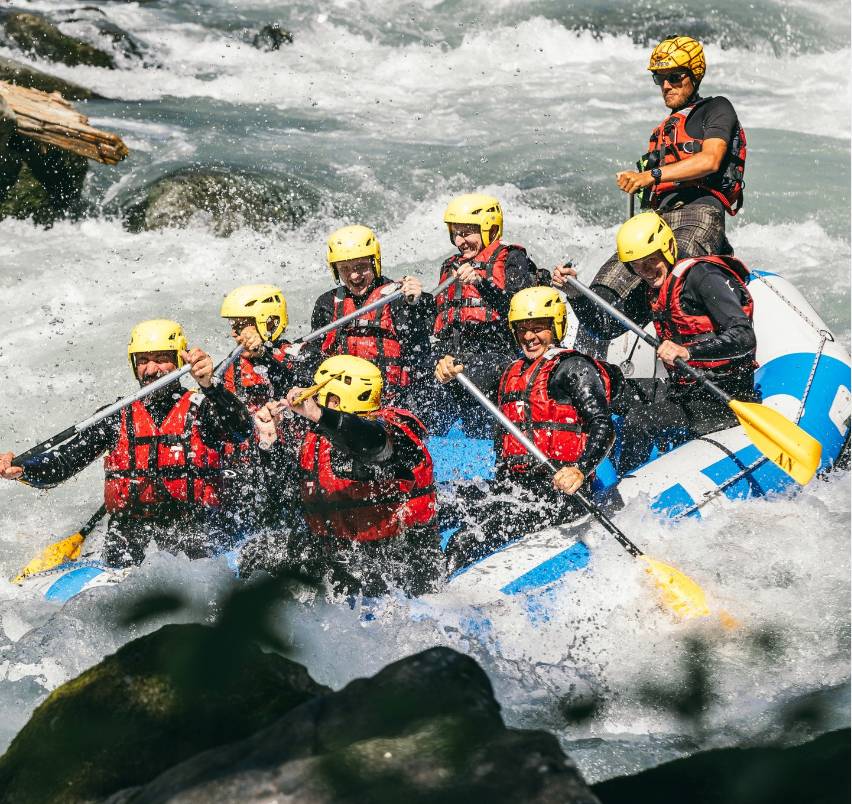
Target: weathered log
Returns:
[49, 118]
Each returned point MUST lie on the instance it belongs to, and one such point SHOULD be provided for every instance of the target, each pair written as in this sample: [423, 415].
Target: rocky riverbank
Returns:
[45, 183]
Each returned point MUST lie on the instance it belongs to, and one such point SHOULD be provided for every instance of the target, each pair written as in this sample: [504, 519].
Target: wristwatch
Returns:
[657, 175]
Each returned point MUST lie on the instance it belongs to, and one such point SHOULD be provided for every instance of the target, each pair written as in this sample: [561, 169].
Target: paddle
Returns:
[145, 390]
[367, 308]
[220, 370]
[67, 549]
[679, 593]
[784, 443]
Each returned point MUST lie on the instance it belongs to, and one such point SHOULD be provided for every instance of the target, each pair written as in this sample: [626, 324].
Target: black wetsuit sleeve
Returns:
[576, 381]
[484, 371]
[709, 290]
[600, 323]
[378, 450]
[65, 461]
[284, 374]
[323, 311]
[518, 276]
[222, 417]
[366, 440]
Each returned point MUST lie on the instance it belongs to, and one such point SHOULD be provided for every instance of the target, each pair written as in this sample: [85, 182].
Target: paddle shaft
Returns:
[92, 521]
[622, 319]
[145, 390]
[631, 205]
[367, 308]
[533, 450]
[223, 366]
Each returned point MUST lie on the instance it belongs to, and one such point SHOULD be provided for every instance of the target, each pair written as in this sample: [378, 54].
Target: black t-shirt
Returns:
[713, 118]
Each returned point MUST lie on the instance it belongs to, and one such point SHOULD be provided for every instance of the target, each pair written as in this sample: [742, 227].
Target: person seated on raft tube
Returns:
[367, 489]
[561, 399]
[692, 175]
[471, 313]
[264, 372]
[702, 312]
[394, 337]
[164, 461]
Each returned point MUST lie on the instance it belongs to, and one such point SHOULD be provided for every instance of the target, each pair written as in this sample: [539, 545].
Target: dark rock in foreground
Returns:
[271, 37]
[424, 729]
[35, 34]
[144, 709]
[225, 200]
[25, 76]
[817, 773]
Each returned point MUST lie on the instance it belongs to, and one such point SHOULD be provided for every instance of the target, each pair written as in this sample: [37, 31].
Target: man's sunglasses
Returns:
[672, 78]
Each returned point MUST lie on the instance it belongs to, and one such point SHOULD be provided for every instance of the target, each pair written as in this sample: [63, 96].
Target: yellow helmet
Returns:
[260, 303]
[352, 242]
[159, 335]
[644, 234]
[679, 51]
[538, 302]
[483, 210]
[357, 383]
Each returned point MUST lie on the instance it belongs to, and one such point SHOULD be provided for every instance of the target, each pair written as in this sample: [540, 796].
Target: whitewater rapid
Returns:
[386, 110]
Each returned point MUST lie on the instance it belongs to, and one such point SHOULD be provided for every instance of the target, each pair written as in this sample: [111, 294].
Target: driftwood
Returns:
[48, 117]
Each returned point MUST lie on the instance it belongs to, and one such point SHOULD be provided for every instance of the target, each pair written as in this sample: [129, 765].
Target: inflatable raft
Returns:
[803, 372]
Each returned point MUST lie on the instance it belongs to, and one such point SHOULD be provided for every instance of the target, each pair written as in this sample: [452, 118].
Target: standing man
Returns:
[702, 312]
[394, 337]
[472, 312]
[561, 399]
[163, 465]
[367, 488]
[692, 175]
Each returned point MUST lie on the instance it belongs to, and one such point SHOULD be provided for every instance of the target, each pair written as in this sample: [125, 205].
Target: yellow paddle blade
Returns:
[786, 444]
[314, 389]
[67, 549]
[678, 592]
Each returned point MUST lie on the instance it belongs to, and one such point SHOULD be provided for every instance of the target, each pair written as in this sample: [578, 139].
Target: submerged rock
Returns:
[271, 37]
[25, 76]
[424, 729]
[34, 33]
[225, 200]
[144, 709]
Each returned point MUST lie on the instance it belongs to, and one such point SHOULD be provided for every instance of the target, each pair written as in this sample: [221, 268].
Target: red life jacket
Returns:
[242, 374]
[463, 304]
[673, 324]
[373, 336]
[151, 466]
[359, 510]
[670, 143]
[253, 389]
[554, 427]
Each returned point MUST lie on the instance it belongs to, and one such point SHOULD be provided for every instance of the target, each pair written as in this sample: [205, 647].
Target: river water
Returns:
[383, 111]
